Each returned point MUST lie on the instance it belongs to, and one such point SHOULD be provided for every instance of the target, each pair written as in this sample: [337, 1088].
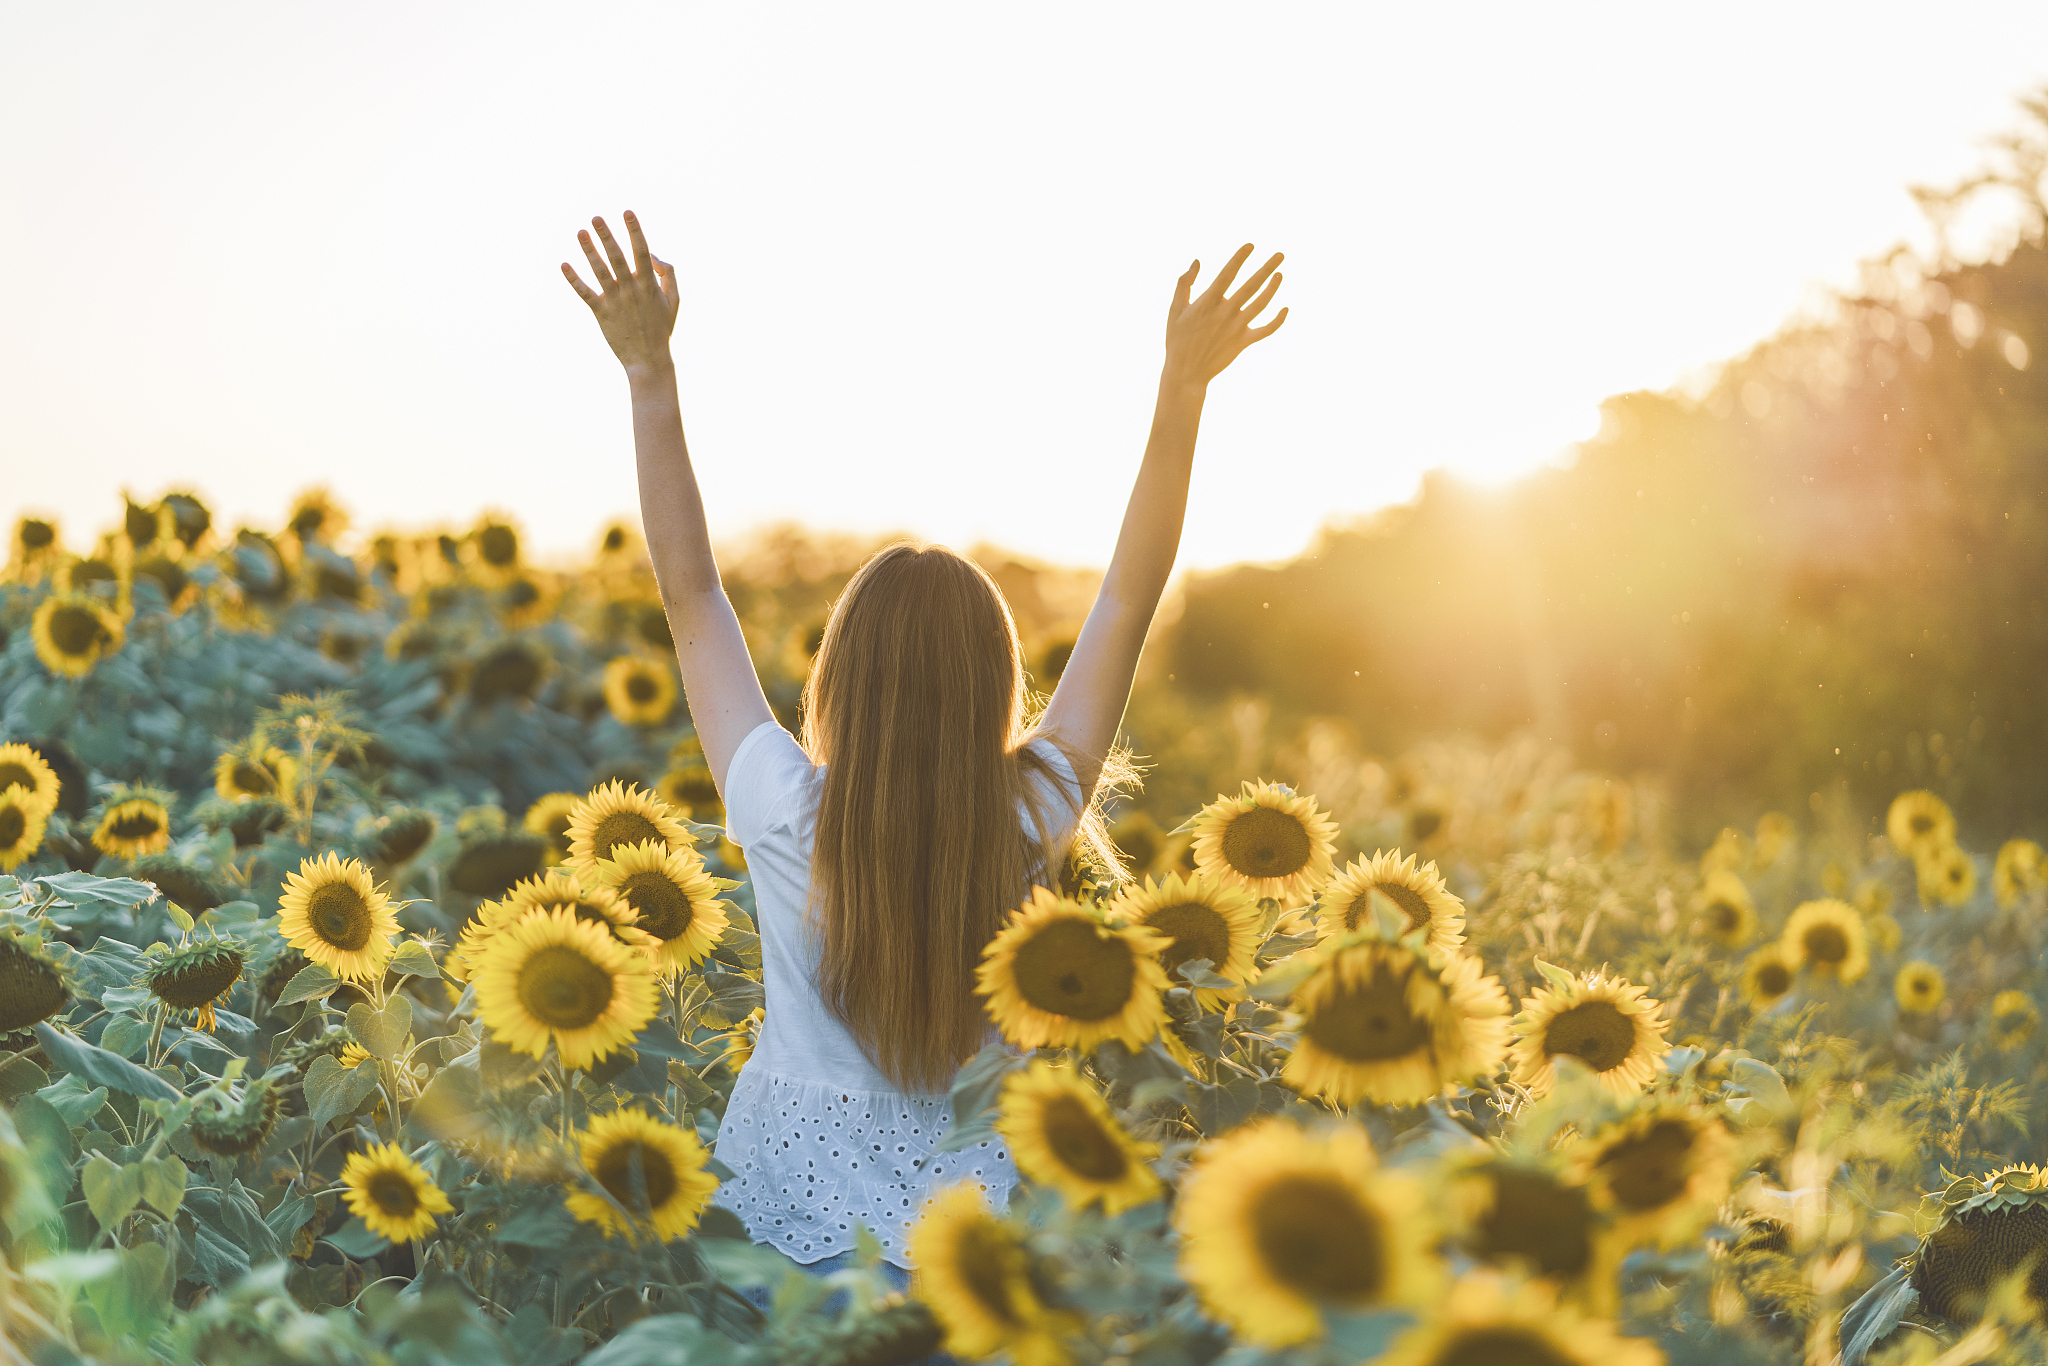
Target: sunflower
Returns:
[1276, 1225]
[1604, 1022]
[652, 1171]
[233, 1127]
[36, 543]
[1767, 977]
[974, 1272]
[1266, 840]
[1947, 875]
[1827, 936]
[690, 790]
[1500, 1323]
[1419, 892]
[1062, 1135]
[1146, 848]
[353, 1055]
[34, 985]
[675, 899]
[2022, 867]
[614, 815]
[72, 632]
[1056, 976]
[557, 977]
[1920, 988]
[1920, 823]
[21, 766]
[178, 881]
[639, 691]
[1985, 1230]
[1726, 914]
[493, 864]
[2013, 1019]
[391, 1193]
[332, 912]
[1884, 932]
[134, 827]
[194, 976]
[549, 818]
[468, 950]
[596, 905]
[1394, 1024]
[496, 545]
[22, 820]
[1200, 917]
[1659, 1174]
[1533, 1219]
[401, 834]
[316, 516]
[252, 771]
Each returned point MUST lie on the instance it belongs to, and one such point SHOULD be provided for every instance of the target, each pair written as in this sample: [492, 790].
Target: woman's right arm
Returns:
[635, 305]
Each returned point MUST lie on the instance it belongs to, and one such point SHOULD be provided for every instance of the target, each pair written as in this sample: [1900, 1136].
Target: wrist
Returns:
[1177, 382]
[653, 376]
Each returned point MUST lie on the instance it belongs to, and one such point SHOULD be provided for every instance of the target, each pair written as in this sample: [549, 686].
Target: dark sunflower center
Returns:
[135, 825]
[1070, 968]
[622, 827]
[1724, 916]
[615, 1167]
[1077, 1139]
[1368, 1021]
[615, 539]
[1197, 932]
[1546, 1223]
[338, 913]
[499, 545]
[1774, 979]
[37, 535]
[87, 572]
[1963, 1260]
[558, 826]
[253, 778]
[1315, 1236]
[563, 989]
[1423, 823]
[640, 688]
[1919, 985]
[75, 630]
[1825, 944]
[1649, 1171]
[1407, 898]
[983, 1257]
[665, 910]
[1594, 1032]
[1263, 842]
[1921, 824]
[16, 775]
[30, 989]
[13, 825]
[393, 1193]
[1500, 1346]
[1955, 872]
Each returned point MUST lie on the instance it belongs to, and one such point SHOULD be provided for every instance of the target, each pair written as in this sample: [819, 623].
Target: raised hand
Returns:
[1205, 333]
[635, 305]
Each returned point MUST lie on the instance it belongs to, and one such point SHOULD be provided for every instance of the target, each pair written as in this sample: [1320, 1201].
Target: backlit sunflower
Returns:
[560, 978]
[250, 771]
[675, 899]
[1947, 875]
[1487, 1321]
[35, 547]
[653, 1171]
[2022, 867]
[1277, 1225]
[1766, 977]
[639, 691]
[1920, 988]
[1146, 848]
[34, 984]
[495, 550]
[315, 516]
[1268, 841]
[1604, 1022]
[332, 912]
[616, 815]
[133, 827]
[1063, 1135]
[73, 632]
[1200, 917]
[1984, 1230]
[1919, 823]
[2014, 1018]
[1828, 937]
[391, 1193]
[22, 820]
[1055, 976]
[1659, 1174]
[1725, 912]
[1419, 892]
[232, 1127]
[1392, 1024]
[692, 792]
[974, 1272]
[1531, 1218]
[21, 766]
[597, 905]
[549, 818]
[194, 976]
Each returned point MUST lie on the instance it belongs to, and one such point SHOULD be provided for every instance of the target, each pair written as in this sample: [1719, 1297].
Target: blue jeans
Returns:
[899, 1280]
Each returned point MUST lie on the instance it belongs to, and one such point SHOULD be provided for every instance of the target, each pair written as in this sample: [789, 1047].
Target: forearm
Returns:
[671, 508]
[1150, 537]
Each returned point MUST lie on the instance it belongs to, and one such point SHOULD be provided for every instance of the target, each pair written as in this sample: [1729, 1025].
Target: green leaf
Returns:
[85, 891]
[76, 1056]
[1556, 976]
[976, 1089]
[73, 1268]
[1281, 980]
[307, 984]
[452, 1106]
[124, 1035]
[381, 1031]
[74, 1099]
[180, 917]
[355, 1241]
[111, 1192]
[414, 959]
[332, 1089]
[163, 1184]
[1201, 972]
[19, 1076]
[734, 996]
[1218, 1109]
[134, 1301]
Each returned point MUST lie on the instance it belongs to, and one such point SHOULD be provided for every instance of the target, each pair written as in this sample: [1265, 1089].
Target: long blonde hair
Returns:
[917, 706]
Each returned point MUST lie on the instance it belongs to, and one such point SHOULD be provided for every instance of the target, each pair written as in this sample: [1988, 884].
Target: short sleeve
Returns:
[1061, 797]
[769, 767]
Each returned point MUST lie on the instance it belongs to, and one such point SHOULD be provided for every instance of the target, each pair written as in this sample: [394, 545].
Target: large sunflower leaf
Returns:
[80, 1058]
[309, 982]
[1873, 1317]
[332, 1089]
[381, 1031]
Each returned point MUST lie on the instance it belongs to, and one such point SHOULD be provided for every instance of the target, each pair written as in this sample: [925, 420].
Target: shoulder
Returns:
[1051, 773]
[767, 771]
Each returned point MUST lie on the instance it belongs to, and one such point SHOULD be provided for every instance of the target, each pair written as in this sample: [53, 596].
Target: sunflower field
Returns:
[374, 970]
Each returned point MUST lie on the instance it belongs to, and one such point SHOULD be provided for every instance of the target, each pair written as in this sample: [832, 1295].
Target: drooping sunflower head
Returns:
[1659, 1173]
[1980, 1231]
[691, 791]
[1533, 1218]
[1268, 841]
[190, 518]
[34, 982]
[673, 899]
[491, 864]
[2014, 1018]
[554, 977]
[333, 912]
[1604, 1022]
[1394, 1023]
[1490, 1321]
[1827, 937]
[73, 632]
[652, 1175]
[2022, 868]
[22, 821]
[391, 1193]
[133, 825]
[1057, 976]
[549, 819]
[510, 670]
[640, 692]
[974, 1272]
[22, 766]
[1419, 892]
[615, 815]
[232, 1127]
[1920, 988]
[401, 834]
[178, 880]
[316, 517]
[257, 771]
[1947, 875]
[1724, 911]
[1200, 917]
[36, 543]
[193, 976]
[1919, 823]
[1278, 1225]
[1767, 978]
[1063, 1135]
[619, 541]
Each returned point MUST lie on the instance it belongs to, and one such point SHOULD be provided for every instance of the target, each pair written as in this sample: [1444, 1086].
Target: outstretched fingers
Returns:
[599, 271]
[1183, 289]
[583, 291]
[612, 251]
[1258, 278]
[1221, 283]
[1261, 333]
[1258, 305]
[643, 259]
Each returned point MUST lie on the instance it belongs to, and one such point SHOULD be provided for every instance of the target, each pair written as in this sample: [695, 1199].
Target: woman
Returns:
[889, 846]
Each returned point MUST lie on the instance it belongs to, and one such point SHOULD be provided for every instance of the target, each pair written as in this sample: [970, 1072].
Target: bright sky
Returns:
[926, 250]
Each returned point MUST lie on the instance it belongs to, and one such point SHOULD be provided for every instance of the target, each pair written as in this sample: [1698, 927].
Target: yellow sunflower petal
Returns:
[392, 1194]
[1063, 1135]
[554, 977]
[1604, 1022]
[616, 815]
[1268, 840]
[1420, 892]
[1056, 976]
[653, 1173]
